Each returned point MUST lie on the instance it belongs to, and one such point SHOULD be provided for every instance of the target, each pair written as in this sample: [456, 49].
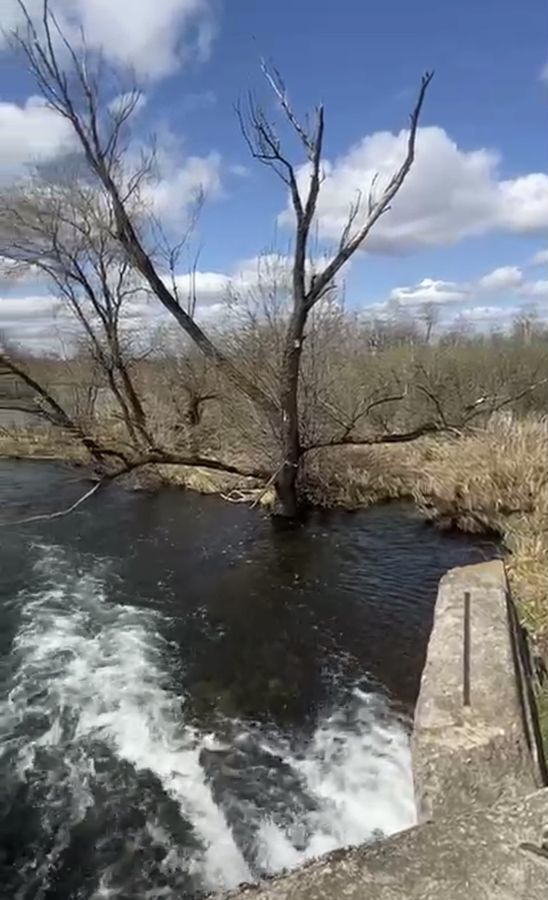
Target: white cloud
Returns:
[137, 100]
[153, 36]
[181, 183]
[544, 73]
[269, 271]
[489, 315]
[197, 100]
[540, 258]
[14, 309]
[503, 283]
[39, 321]
[210, 287]
[523, 204]
[239, 170]
[30, 133]
[429, 291]
[501, 279]
[32, 321]
[536, 289]
[450, 193]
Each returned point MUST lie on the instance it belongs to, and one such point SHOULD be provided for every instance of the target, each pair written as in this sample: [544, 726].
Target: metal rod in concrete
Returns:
[466, 651]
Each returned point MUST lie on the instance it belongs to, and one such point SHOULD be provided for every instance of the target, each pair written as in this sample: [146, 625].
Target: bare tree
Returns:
[265, 145]
[429, 314]
[78, 95]
[42, 403]
[58, 226]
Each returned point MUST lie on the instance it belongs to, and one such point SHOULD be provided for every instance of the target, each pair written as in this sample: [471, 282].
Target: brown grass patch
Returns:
[493, 479]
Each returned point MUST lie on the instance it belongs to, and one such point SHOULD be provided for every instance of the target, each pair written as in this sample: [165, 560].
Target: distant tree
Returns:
[527, 324]
[429, 314]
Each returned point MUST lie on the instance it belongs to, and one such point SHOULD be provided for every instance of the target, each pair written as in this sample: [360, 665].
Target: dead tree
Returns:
[429, 314]
[57, 226]
[78, 95]
[265, 145]
[45, 406]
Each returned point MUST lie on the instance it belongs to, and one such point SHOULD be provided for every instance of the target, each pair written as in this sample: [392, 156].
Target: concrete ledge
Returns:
[472, 740]
[493, 854]
[478, 766]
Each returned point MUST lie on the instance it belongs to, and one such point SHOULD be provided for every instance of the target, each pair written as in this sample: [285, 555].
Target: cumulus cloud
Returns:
[540, 258]
[502, 283]
[31, 133]
[136, 101]
[429, 291]
[450, 193]
[501, 279]
[40, 322]
[489, 315]
[153, 36]
[536, 289]
[35, 321]
[181, 183]
[494, 299]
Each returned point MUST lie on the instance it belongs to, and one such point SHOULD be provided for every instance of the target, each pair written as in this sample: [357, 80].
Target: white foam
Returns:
[98, 671]
[359, 774]
[101, 669]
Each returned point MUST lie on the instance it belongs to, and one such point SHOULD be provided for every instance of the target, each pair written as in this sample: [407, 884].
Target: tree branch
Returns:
[54, 84]
[376, 208]
[401, 437]
[43, 517]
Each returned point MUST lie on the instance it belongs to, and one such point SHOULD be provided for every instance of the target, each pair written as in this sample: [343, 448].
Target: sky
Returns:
[469, 230]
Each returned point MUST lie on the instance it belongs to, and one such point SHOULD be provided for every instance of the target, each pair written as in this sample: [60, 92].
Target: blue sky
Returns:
[479, 202]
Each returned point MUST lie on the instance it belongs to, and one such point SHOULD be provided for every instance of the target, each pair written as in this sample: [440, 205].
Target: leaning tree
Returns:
[80, 87]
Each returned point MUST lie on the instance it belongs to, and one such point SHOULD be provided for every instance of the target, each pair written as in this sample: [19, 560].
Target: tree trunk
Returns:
[287, 480]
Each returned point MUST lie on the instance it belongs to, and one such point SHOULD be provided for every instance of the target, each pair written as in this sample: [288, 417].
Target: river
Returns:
[192, 696]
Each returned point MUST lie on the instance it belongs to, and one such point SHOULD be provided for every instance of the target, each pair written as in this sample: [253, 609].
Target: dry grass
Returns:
[39, 443]
[498, 479]
[494, 479]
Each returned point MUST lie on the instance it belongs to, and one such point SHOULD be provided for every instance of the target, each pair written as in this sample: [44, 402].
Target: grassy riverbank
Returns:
[493, 479]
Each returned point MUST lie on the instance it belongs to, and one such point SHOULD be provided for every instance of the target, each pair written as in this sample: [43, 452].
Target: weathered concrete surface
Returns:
[478, 855]
[481, 752]
[477, 768]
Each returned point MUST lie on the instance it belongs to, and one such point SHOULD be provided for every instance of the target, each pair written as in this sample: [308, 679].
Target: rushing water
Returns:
[192, 697]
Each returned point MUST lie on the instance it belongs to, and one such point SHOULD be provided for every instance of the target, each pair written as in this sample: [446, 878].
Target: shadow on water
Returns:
[197, 695]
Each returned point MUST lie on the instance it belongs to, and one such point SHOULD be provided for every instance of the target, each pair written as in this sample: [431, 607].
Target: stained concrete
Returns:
[493, 854]
[481, 752]
[479, 771]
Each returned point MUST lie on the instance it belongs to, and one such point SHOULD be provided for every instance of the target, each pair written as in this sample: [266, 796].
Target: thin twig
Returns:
[44, 517]
[268, 485]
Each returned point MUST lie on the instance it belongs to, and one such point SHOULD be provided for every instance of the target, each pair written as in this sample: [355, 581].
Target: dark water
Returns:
[191, 696]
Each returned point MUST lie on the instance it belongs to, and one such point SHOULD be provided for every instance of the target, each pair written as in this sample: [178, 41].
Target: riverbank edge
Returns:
[493, 481]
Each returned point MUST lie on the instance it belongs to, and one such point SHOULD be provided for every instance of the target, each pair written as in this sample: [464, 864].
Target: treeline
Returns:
[362, 383]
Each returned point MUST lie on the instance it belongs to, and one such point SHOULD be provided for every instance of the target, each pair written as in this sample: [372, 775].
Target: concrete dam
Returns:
[478, 764]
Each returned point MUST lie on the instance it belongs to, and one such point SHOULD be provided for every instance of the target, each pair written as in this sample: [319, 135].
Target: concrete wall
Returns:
[478, 767]
[473, 740]
[487, 854]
